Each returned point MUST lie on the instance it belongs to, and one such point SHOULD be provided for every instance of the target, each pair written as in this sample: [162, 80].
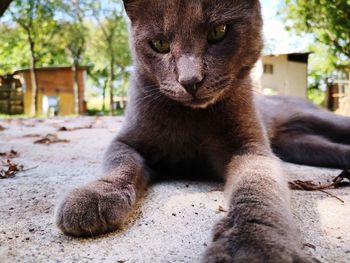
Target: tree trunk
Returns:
[34, 79]
[76, 87]
[111, 80]
[123, 90]
[104, 95]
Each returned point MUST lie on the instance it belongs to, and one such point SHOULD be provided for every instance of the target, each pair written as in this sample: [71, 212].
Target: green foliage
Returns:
[108, 48]
[14, 52]
[29, 19]
[73, 31]
[109, 39]
[317, 96]
[35, 20]
[67, 32]
[327, 20]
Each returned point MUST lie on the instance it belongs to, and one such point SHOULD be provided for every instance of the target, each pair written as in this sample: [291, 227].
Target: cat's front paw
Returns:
[253, 243]
[219, 253]
[94, 209]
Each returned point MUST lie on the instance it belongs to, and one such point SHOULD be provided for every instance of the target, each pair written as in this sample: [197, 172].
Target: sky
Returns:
[279, 39]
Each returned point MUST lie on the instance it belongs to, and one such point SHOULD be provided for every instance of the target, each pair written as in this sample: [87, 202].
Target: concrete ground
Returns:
[173, 223]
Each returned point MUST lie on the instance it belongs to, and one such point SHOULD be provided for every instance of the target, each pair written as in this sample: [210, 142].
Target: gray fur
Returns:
[215, 131]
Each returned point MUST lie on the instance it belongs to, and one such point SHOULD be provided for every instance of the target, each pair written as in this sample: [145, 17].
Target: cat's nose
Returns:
[190, 72]
[191, 84]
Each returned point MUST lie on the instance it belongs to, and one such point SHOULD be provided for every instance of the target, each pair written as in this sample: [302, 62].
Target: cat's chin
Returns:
[193, 103]
[200, 104]
[207, 102]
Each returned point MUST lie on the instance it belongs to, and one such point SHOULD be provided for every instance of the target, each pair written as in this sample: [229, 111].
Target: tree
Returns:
[327, 20]
[35, 17]
[57, 32]
[73, 37]
[13, 48]
[110, 42]
[99, 77]
[328, 23]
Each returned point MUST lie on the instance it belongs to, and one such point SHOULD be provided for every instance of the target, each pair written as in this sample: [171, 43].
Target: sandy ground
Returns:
[173, 223]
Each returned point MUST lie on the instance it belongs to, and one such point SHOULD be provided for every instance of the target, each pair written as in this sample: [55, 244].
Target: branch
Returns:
[104, 31]
[335, 42]
[20, 22]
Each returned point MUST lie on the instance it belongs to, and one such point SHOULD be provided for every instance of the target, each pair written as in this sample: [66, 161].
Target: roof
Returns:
[301, 57]
[286, 54]
[50, 68]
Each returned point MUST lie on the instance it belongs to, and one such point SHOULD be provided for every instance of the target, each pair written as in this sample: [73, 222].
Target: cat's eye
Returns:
[160, 46]
[217, 34]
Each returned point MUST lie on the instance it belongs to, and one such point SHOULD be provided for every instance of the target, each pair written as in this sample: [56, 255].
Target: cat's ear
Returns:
[130, 7]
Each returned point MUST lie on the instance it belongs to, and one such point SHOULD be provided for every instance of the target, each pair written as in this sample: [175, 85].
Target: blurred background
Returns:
[71, 57]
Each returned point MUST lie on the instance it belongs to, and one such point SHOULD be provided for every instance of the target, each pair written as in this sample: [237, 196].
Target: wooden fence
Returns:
[11, 99]
[339, 97]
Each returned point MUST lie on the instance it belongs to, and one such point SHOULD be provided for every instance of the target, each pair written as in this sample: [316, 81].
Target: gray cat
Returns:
[192, 113]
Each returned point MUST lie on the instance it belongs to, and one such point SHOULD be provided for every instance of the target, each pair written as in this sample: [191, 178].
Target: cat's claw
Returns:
[93, 210]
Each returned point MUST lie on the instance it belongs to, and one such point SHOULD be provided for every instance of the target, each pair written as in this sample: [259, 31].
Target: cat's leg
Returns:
[321, 122]
[103, 205]
[313, 150]
[259, 226]
[334, 127]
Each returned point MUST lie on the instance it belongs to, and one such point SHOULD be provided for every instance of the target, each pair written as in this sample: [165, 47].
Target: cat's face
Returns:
[196, 51]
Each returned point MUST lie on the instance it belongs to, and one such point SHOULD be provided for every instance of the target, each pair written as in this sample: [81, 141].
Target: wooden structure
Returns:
[338, 96]
[55, 88]
[11, 95]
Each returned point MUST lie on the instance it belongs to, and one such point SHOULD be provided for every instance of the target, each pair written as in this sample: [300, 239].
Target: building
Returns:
[55, 90]
[283, 74]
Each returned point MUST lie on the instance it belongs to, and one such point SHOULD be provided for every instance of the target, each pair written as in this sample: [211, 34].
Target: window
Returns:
[268, 69]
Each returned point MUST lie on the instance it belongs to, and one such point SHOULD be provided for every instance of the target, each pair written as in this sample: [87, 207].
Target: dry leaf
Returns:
[2, 128]
[11, 170]
[64, 128]
[50, 139]
[221, 209]
[312, 186]
[9, 155]
[337, 182]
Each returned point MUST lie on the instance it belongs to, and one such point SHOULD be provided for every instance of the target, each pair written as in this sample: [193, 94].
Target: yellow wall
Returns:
[54, 82]
[66, 102]
[27, 102]
[289, 78]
